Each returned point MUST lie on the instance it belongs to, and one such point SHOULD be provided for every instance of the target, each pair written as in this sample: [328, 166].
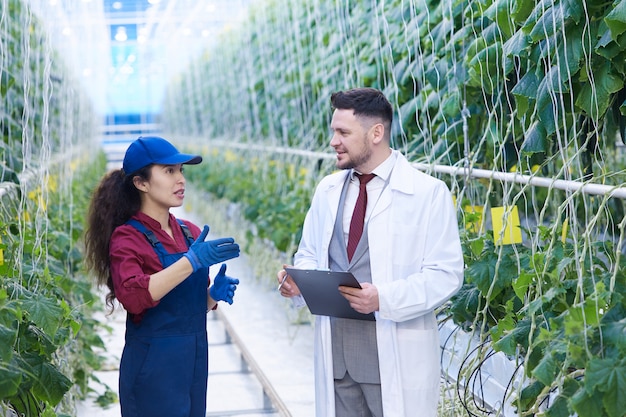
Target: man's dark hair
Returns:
[368, 102]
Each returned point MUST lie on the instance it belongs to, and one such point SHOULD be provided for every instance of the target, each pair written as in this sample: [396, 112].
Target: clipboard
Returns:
[319, 289]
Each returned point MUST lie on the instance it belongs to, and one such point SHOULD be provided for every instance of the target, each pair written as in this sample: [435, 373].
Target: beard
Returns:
[356, 159]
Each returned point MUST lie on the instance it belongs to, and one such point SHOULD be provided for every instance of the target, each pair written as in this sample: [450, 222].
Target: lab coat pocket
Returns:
[419, 358]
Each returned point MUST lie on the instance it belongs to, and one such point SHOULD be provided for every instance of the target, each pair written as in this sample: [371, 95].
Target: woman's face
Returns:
[164, 189]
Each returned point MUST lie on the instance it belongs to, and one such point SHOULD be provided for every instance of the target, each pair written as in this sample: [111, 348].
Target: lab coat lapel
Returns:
[400, 181]
[333, 193]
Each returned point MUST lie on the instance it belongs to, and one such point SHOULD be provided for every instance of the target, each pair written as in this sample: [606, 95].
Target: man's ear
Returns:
[378, 132]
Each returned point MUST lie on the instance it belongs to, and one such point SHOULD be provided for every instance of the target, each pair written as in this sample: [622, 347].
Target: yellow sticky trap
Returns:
[564, 231]
[506, 225]
[476, 221]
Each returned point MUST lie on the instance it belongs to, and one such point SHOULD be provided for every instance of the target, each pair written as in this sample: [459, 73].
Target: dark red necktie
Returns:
[358, 216]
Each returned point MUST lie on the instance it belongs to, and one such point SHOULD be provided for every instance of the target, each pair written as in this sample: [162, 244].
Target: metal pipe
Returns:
[510, 177]
[514, 177]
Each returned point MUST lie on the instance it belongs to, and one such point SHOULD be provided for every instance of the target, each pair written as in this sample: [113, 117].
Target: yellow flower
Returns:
[51, 183]
[37, 197]
[32, 195]
[230, 156]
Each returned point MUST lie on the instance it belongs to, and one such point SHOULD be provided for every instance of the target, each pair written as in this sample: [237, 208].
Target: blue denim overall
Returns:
[164, 365]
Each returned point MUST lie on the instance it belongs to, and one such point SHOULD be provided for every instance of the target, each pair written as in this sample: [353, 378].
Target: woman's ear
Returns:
[140, 183]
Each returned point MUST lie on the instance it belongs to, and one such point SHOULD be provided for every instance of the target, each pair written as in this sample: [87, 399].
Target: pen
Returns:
[282, 282]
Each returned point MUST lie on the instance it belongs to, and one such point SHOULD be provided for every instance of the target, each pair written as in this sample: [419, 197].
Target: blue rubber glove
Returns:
[203, 254]
[223, 288]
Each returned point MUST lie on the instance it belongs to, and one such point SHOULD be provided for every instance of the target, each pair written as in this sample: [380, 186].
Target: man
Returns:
[408, 260]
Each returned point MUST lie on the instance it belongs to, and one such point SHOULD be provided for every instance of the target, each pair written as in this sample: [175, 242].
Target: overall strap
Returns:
[154, 241]
[186, 232]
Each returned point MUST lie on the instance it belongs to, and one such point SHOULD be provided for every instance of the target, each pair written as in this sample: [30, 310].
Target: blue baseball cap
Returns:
[147, 150]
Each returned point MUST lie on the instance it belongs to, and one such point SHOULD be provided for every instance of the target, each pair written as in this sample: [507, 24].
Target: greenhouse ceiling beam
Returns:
[509, 177]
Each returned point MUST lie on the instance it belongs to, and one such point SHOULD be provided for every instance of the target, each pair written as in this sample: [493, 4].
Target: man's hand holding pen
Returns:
[287, 287]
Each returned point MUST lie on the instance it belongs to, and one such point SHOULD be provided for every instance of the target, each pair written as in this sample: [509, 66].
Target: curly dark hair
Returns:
[114, 201]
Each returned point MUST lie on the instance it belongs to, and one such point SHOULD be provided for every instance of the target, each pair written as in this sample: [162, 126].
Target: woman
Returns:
[156, 266]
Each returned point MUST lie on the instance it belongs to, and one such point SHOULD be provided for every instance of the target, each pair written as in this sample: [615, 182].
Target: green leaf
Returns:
[558, 408]
[44, 312]
[525, 90]
[521, 10]
[536, 139]
[517, 45]
[517, 337]
[465, 303]
[550, 90]
[586, 405]
[8, 331]
[10, 379]
[609, 377]
[548, 24]
[546, 370]
[483, 274]
[570, 52]
[500, 12]
[595, 96]
[521, 284]
[7, 341]
[477, 246]
[529, 395]
[614, 334]
[573, 9]
[505, 323]
[50, 384]
[616, 19]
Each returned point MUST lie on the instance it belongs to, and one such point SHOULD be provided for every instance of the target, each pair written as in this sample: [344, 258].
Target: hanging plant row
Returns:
[47, 336]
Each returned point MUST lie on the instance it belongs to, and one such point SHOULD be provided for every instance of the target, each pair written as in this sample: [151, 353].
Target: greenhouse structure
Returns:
[519, 106]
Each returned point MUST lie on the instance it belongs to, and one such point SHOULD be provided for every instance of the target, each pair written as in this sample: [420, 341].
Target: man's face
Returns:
[350, 139]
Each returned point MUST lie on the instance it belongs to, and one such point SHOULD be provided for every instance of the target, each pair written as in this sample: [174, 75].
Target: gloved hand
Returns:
[223, 288]
[203, 254]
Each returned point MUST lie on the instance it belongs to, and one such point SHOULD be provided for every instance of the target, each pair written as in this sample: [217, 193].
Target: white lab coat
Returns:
[416, 263]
